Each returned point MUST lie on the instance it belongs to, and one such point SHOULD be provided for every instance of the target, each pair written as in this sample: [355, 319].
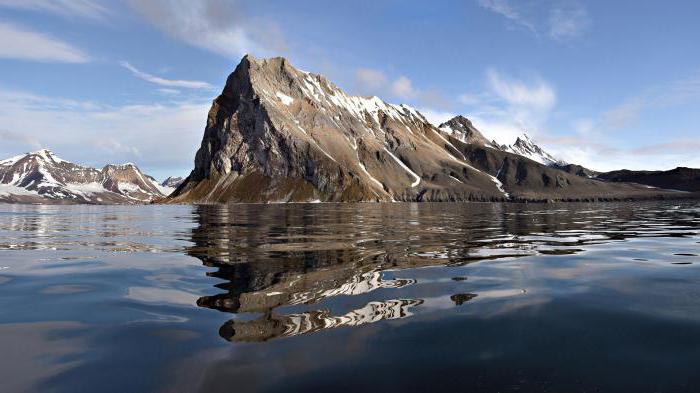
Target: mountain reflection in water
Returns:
[273, 258]
[335, 297]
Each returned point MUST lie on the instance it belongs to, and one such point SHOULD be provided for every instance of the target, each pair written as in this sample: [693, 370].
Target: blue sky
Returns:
[606, 84]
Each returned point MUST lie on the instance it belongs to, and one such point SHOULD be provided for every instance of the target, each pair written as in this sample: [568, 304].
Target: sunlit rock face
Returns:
[279, 134]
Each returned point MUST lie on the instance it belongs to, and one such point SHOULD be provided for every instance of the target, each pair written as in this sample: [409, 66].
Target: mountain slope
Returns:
[278, 134]
[42, 177]
[684, 179]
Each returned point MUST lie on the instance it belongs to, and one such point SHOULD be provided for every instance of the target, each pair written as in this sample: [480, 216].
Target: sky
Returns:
[605, 84]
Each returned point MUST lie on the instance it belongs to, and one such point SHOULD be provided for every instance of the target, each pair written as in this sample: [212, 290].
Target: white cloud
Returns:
[369, 81]
[165, 82]
[160, 138]
[23, 44]
[169, 92]
[516, 93]
[220, 26]
[81, 8]
[508, 107]
[501, 130]
[568, 20]
[436, 117]
[403, 88]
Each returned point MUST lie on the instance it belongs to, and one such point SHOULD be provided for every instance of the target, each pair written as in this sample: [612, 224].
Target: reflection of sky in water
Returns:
[138, 298]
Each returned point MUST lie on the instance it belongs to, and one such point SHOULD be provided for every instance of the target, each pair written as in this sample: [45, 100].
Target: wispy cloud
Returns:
[369, 81]
[10, 137]
[558, 20]
[682, 145]
[674, 93]
[539, 95]
[403, 88]
[509, 106]
[505, 9]
[568, 20]
[160, 138]
[165, 82]
[220, 26]
[81, 8]
[24, 44]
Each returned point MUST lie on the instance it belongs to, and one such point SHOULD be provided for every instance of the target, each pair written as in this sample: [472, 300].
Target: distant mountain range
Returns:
[42, 177]
[278, 134]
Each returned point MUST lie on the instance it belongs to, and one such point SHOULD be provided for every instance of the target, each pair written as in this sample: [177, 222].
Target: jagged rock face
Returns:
[280, 134]
[462, 129]
[42, 177]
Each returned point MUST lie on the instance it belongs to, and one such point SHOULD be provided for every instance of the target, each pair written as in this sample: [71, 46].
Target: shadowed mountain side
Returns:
[576, 169]
[527, 180]
[684, 179]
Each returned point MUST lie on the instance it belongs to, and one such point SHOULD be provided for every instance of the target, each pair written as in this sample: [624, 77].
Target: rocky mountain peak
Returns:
[462, 128]
[526, 147]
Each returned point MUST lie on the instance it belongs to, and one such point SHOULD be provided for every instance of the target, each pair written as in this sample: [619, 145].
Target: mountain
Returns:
[462, 129]
[42, 177]
[576, 169]
[172, 182]
[524, 146]
[684, 179]
[278, 134]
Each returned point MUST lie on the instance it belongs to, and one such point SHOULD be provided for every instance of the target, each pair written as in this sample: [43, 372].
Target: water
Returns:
[351, 297]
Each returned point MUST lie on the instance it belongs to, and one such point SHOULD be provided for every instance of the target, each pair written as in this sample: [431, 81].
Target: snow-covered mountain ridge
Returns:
[526, 147]
[43, 177]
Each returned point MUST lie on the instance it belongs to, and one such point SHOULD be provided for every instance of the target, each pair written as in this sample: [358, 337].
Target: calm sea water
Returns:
[351, 297]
